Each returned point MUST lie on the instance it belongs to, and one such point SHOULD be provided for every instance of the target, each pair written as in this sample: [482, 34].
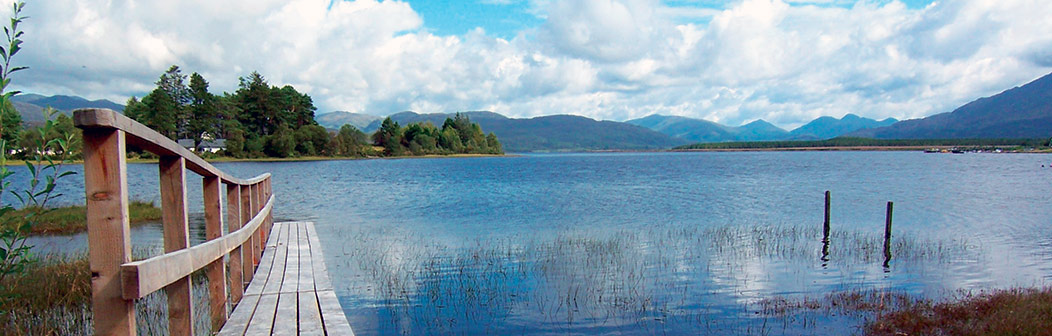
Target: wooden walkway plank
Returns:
[318, 261]
[332, 314]
[306, 281]
[286, 321]
[276, 273]
[310, 314]
[291, 282]
[268, 264]
[239, 318]
[291, 293]
[262, 321]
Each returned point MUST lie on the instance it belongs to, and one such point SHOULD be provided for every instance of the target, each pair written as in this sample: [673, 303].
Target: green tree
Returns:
[494, 145]
[204, 122]
[235, 143]
[349, 141]
[312, 140]
[389, 136]
[173, 84]
[10, 123]
[161, 113]
[280, 144]
[259, 112]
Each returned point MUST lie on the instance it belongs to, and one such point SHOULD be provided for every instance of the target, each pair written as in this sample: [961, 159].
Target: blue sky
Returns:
[506, 18]
[784, 61]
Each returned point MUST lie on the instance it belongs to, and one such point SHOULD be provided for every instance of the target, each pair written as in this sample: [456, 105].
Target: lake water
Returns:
[645, 243]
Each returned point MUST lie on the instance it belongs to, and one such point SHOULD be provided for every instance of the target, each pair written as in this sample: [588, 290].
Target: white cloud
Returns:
[786, 62]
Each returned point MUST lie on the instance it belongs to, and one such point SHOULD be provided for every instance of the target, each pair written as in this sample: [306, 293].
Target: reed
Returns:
[53, 297]
[628, 280]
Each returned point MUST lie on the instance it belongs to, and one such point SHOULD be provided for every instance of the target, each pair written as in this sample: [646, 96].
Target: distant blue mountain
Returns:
[829, 127]
[30, 106]
[70, 103]
[698, 130]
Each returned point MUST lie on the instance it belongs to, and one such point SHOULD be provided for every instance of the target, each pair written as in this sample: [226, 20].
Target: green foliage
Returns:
[349, 141]
[264, 120]
[10, 123]
[280, 144]
[44, 173]
[457, 136]
[204, 121]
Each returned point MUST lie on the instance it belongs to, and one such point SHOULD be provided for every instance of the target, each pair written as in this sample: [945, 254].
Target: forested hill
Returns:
[556, 132]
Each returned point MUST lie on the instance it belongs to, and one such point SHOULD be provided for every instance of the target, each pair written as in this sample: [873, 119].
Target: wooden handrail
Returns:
[159, 271]
[139, 135]
[116, 281]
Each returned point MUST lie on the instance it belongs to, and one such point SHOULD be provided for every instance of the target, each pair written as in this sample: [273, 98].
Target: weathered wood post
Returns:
[109, 241]
[887, 234]
[176, 232]
[216, 271]
[233, 214]
[247, 251]
[825, 226]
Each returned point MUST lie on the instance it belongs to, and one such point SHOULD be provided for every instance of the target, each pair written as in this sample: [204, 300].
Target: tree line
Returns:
[262, 120]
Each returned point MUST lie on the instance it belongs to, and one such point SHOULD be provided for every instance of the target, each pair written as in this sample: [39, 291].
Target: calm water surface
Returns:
[645, 243]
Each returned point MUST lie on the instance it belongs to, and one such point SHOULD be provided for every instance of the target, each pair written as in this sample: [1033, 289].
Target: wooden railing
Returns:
[117, 281]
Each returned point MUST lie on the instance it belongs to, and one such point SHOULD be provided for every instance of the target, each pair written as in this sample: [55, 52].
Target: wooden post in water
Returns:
[233, 223]
[109, 241]
[216, 271]
[887, 234]
[825, 227]
[176, 232]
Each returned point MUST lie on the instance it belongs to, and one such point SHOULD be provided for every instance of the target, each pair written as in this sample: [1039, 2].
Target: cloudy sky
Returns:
[785, 61]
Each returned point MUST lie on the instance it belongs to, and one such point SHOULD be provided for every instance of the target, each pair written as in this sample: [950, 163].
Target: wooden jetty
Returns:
[290, 266]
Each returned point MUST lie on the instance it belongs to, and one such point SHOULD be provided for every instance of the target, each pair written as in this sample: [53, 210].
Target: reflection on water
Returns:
[651, 243]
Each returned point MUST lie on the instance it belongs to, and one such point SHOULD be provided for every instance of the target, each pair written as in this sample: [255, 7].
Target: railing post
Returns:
[216, 271]
[109, 245]
[257, 202]
[266, 196]
[233, 223]
[176, 237]
[246, 250]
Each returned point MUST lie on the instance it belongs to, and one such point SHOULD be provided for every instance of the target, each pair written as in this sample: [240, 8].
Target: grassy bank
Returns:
[71, 219]
[53, 297]
[1020, 311]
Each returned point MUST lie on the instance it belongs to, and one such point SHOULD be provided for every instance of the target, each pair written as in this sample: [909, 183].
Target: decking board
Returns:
[291, 293]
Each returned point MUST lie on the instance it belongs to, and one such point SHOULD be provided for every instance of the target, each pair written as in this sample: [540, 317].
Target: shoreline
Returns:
[300, 159]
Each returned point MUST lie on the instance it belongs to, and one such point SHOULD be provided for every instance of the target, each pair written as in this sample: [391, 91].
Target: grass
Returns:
[53, 297]
[1019, 311]
[71, 219]
[636, 280]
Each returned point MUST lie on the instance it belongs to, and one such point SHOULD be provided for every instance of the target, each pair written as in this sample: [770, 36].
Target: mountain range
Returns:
[555, 132]
[1021, 112]
[30, 106]
[698, 130]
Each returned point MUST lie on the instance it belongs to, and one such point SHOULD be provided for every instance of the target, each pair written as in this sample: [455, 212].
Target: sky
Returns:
[733, 62]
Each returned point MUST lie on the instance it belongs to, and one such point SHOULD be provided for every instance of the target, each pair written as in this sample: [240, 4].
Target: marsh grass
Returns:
[54, 298]
[72, 219]
[1017, 311]
[623, 281]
